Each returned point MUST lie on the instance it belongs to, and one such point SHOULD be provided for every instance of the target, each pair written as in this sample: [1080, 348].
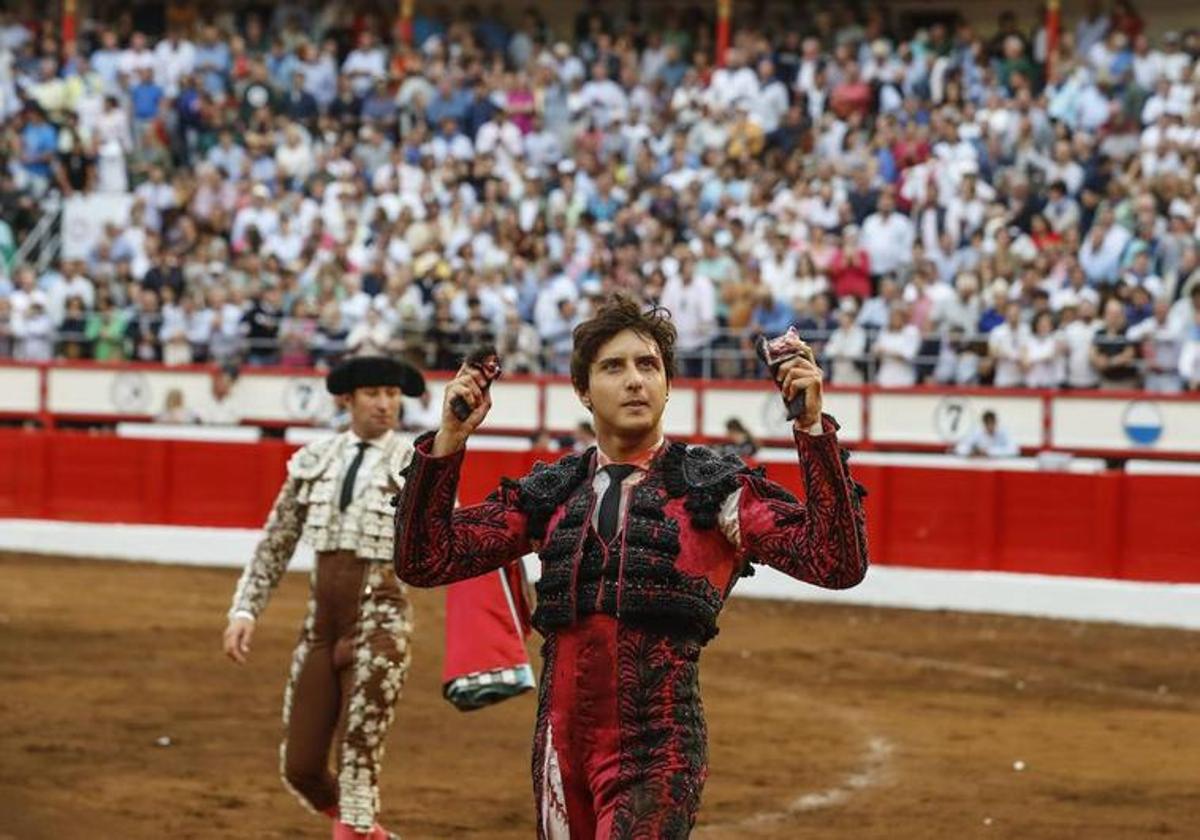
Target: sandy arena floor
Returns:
[825, 722]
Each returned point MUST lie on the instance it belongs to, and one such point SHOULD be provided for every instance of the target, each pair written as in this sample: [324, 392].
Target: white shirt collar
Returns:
[382, 440]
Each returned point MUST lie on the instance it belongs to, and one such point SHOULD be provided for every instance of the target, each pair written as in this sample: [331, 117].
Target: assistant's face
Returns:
[627, 385]
[374, 410]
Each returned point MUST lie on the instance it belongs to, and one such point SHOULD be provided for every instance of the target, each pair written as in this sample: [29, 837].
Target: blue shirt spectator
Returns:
[213, 64]
[39, 141]
[145, 97]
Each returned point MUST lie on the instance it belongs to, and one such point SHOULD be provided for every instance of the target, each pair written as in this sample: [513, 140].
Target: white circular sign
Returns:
[302, 398]
[954, 418]
[130, 392]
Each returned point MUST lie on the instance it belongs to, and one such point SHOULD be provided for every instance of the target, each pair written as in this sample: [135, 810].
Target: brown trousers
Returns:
[347, 673]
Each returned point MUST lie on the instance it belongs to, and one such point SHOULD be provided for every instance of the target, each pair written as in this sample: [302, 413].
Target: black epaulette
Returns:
[704, 476]
[549, 485]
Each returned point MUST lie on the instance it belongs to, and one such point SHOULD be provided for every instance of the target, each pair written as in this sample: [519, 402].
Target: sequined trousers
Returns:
[347, 673]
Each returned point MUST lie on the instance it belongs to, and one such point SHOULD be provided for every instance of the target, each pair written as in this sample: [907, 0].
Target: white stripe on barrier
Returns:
[1056, 462]
[1081, 599]
[1140, 467]
[175, 431]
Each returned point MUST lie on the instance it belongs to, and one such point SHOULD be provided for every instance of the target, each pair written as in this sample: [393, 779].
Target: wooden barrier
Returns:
[1106, 525]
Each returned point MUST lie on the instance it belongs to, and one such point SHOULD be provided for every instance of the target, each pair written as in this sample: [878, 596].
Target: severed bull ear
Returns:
[486, 360]
[774, 352]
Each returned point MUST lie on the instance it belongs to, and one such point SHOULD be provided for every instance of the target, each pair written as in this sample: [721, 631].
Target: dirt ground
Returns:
[825, 722]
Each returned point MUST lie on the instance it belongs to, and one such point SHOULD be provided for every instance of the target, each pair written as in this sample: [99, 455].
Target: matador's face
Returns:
[627, 386]
[374, 410]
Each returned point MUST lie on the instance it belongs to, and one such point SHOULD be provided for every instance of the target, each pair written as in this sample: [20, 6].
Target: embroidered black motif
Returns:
[548, 486]
[704, 477]
[644, 588]
[664, 742]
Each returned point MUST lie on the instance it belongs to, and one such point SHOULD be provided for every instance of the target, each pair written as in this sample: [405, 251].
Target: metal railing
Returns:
[42, 244]
[725, 358]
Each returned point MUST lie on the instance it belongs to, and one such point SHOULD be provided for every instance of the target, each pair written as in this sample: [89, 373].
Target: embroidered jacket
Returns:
[307, 508]
[693, 525]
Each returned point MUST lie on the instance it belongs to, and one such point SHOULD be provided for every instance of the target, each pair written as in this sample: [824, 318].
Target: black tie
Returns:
[348, 481]
[610, 505]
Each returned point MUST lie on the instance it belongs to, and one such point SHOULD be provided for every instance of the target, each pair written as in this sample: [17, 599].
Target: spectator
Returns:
[35, 334]
[222, 410]
[371, 337]
[260, 327]
[1039, 351]
[1189, 356]
[584, 436]
[621, 161]
[175, 410]
[739, 441]
[1077, 337]
[889, 239]
[72, 331]
[1160, 347]
[39, 143]
[106, 330]
[896, 349]
[143, 329]
[691, 299]
[990, 440]
[847, 347]
[1113, 354]
[1004, 347]
[297, 333]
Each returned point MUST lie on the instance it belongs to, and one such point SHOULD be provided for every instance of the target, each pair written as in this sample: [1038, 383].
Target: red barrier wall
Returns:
[1113, 525]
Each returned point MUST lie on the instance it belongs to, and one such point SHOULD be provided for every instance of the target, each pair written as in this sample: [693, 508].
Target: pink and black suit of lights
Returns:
[620, 749]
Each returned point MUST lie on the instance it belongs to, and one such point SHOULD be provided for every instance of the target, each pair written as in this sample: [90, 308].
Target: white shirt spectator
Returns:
[1040, 354]
[995, 445]
[134, 61]
[693, 308]
[1004, 344]
[768, 105]
[35, 337]
[543, 149]
[173, 59]
[364, 66]
[294, 161]
[845, 350]
[265, 220]
[897, 351]
[888, 240]
[1189, 359]
[369, 339]
[1100, 257]
[604, 101]
[1163, 344]
[502, 139]
[730, 85]
[1147, 69]
[76, 286]
[456, 146]
[1078, 337]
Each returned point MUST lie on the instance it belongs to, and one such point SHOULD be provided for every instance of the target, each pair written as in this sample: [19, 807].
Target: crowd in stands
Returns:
[946, 205]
